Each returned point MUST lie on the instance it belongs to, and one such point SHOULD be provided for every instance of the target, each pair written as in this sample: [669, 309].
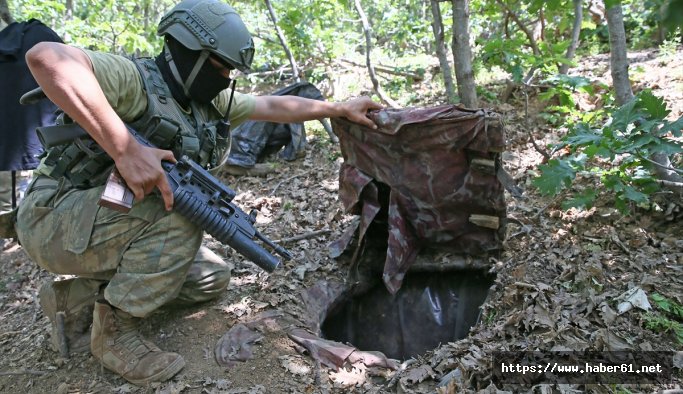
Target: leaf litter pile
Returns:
[567, 281]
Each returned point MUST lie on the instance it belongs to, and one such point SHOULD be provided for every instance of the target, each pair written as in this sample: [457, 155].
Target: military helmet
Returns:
[213, 26]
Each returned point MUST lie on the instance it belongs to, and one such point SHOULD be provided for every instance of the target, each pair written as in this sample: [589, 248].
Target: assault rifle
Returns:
[197, 195]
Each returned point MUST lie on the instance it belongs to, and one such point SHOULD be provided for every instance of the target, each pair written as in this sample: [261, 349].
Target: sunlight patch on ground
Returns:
[245, 306]
[243, 280]
[196, 316]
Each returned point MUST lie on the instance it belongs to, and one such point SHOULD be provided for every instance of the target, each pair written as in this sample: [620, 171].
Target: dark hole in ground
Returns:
[430, 309]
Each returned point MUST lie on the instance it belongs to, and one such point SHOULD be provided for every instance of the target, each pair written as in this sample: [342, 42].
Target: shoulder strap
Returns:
[163, 123]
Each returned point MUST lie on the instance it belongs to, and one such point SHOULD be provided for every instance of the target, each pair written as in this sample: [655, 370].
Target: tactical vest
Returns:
[201, 134]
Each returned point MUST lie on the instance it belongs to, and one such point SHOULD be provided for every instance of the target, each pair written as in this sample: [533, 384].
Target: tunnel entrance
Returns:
[431, 308]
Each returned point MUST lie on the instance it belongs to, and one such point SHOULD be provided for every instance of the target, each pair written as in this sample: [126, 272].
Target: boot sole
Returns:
[162, 376]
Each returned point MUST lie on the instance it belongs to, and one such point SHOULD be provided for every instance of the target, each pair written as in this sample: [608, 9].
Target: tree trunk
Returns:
[5, 14]
[618, 57]
[441, 53]
[622, 84]
[283, 42]
[462, 54]
[368, 49]
[576, 33]
[69, 16]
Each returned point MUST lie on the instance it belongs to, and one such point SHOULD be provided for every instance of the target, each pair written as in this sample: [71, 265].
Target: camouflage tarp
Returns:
[428, 176]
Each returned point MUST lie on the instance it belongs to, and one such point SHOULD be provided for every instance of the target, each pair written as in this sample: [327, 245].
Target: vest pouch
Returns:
[190, 146]
[161, 132]
[208, 145]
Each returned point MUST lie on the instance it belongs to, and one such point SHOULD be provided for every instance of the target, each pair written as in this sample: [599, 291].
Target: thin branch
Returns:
[540, 150]
[389, 70]
[522, 26]
[287, 180]
[304, 236]
[23, 372]
[368, 49]
[283, 41]
[676, 170]
[676, 185]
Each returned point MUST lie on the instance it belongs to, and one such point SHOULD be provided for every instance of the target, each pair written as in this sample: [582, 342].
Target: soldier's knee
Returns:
[206, 279]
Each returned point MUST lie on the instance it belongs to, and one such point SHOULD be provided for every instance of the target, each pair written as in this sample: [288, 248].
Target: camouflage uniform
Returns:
[5, 191]
[145, 255]
[148, 256]
[129, 264]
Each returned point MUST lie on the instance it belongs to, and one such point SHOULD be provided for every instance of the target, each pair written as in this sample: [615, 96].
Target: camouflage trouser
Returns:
[148, 256]
[5, 191]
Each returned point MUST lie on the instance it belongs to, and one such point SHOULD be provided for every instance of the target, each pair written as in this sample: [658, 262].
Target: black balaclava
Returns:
[207, 83]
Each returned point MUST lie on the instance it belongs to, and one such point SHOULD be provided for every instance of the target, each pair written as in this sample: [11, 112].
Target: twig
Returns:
[287, 180]
[389, 70]
[525, 285]
[677, 185]
[401, 369]
[22, 372]
[676, 170]
[550, 204]
[304, 236]
[328, 128]
[9, 333]
[540, 150]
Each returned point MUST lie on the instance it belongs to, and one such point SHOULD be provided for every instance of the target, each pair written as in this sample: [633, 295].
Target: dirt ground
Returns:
[558, 284]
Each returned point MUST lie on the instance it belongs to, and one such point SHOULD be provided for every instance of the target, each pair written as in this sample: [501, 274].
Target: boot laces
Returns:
[130, 338]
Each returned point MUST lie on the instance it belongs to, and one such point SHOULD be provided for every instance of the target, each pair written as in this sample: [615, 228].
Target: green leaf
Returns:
[637, 143]
[634, 195]
[555, 176]
[625, 115]
[661, 301]
[611, 3]
[668, 147]
[584, 135]
[653, 105]
[583, 200]
[674, 128]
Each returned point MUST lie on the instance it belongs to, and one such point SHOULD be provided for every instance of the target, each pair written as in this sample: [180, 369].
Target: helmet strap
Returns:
[174, 69]
[195, 70]
[193, 74]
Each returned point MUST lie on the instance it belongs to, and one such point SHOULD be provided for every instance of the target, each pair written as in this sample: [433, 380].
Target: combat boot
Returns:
[69, 306]
[119, 347]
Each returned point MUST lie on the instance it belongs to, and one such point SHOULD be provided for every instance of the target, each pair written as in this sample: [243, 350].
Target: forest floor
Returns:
[558, 283]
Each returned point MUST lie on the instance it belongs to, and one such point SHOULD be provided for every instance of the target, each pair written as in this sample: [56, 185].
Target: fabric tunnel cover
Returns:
[429, 176]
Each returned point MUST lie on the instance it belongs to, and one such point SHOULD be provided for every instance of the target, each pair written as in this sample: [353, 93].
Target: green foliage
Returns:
[673, 14]
[511, 55]
[563, 89]
[671, 307]
[558, 174]
[616, 152]
[107, 25]
[667, 319]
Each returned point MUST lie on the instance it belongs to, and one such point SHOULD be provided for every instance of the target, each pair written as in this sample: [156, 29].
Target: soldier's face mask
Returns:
[200, 78]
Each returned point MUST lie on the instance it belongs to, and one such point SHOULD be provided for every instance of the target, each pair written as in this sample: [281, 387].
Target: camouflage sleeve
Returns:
[121, 83]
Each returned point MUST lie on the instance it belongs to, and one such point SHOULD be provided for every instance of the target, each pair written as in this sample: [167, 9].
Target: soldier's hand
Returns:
[142, 171]
[356, 110]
